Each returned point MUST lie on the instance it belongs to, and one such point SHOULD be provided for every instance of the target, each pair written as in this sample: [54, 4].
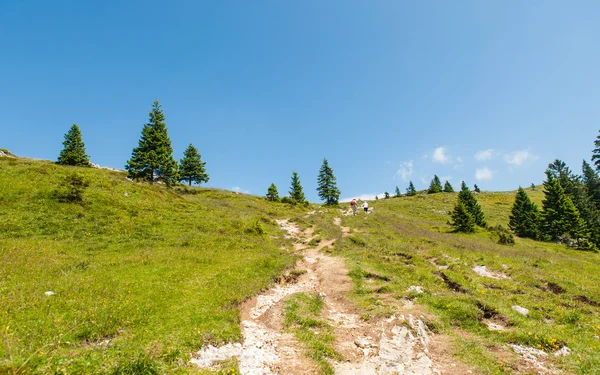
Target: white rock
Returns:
[416, 289]
[49, 293]
[521, 310]
[562, 352]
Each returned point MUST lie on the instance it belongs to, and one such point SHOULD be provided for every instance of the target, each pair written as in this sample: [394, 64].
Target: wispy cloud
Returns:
[484, 155]
[519, 157]
[440, 155]
[406, 170]
[446, 178]
[238, 189]
[483, 174]
[364, 197]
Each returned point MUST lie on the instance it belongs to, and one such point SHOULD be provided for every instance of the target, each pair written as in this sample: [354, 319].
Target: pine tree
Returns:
[410, 190]
[561, 217]
[435, 186]
[73, 152]
[153, 159]
[525, 218]
[448, 188]
[398, 192]
[296, 192]
[272, 193]
[191, 167]
[592, 182]
[326, 185]
[476, 189]
[596, 153]
[532, 186]
[386, 195]
[468, 199]
[462, 220]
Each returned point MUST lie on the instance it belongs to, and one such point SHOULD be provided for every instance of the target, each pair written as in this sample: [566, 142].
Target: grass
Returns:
[302, 316]
[142, 276]
[406, 240]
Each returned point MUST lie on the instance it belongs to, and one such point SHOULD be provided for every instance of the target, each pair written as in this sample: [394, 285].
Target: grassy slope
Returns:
[405, 240]
[155, 272]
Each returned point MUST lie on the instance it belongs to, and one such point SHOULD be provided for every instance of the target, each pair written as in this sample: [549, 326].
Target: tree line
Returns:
[152, 161]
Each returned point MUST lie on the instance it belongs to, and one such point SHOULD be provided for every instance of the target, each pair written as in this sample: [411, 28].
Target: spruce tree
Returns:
[532, 186]
[462, 220]
[561, 217]
[410, 190]
[326, 185]
[398, 192]
[153, 159]
[435, 186]
[525, 218]
[476, 189]
[386, 195]
[73, 152]
[272, 193]
[448, 188]
[296, 192]
[468, 199]
[592, 182]
[596, 153]
[191, 167]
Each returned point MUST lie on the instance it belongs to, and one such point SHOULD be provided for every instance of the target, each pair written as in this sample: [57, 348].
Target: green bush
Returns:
[72, 188]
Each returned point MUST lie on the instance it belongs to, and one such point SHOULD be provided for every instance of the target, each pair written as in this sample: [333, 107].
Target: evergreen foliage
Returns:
[191, 167]
[476, 189]
[73, 152]
[532, 186]
[153, 159]
[435, 186]
[296, 192]
[398, 194]
[596, 153]
[387, 195]
[592, 183]
[448, 188]
[525, 218]
[410, 190]
[561, 217]
[326, 185]
[272, 193]
[72, 188]
[462, 220]
[468, 199]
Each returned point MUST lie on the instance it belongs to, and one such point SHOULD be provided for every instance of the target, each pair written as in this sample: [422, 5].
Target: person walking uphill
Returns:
[366, 207]
[353, 205]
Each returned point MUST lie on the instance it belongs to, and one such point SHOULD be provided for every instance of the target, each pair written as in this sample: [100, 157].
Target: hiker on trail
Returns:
[353, 205]
[366, 207]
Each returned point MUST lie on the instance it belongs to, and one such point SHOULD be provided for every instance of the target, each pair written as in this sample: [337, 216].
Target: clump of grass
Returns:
[302, 316]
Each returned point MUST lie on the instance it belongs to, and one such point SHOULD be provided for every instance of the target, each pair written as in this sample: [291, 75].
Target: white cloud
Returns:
[484, 155]
[483, 174]
[519, 157]
[440, 156]
[365, 197]
[406, 170]
[238, 189]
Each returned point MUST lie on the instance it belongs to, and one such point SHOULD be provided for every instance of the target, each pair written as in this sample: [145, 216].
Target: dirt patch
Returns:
[555, 288]
[586, 300]
[345, 230]
[452, 284]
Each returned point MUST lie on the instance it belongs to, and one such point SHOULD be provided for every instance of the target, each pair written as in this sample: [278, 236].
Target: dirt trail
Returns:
[397, 345]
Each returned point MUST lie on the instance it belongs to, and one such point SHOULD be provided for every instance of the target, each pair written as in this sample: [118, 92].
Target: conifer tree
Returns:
[153, 159]
[476, 189]
[272, 193]
[410, 190]
[386, 195]
[560, 215]
[191, 167]
[73, 152]
[462, 220]
[326, 185]
[435, 186]
[525, 218]
[532, 186]
[596, 153]
[592, 182]
[296, 192]
[398, 192]
[448, 188]
[468, 199]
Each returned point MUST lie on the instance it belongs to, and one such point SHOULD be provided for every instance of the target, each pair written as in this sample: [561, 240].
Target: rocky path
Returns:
[397, 345]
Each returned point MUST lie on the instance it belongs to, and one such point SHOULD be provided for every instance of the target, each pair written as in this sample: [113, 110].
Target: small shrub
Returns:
[255, 228]
[138, 366]
[506, 239]
[288, 200]
[72, 188]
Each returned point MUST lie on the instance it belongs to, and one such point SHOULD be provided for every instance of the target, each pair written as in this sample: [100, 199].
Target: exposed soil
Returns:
[400, 344]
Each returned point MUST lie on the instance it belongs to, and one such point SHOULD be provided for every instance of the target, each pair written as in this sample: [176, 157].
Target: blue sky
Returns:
[488, 92]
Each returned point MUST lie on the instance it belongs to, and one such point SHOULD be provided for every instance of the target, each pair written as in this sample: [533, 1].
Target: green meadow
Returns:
[142, 276]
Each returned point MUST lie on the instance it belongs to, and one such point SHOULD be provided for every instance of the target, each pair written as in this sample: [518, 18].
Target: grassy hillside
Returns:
[141, 275]
[407, 242]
